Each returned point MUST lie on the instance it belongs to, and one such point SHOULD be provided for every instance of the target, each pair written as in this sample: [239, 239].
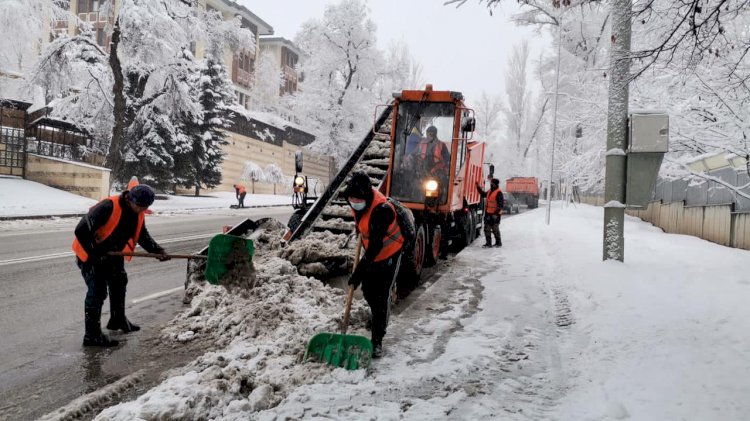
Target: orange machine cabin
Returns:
[452, 161]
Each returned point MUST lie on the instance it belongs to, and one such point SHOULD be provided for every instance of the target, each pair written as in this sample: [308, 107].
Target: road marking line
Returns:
[157, 295]
[35, 258]
[30, 259]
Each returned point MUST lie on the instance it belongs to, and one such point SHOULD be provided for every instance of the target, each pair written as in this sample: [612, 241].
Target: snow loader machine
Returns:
[396, 154]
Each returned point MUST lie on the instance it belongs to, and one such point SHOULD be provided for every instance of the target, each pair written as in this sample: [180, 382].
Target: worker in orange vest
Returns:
[240, 192]
[492, 212]
[116, 224]
[382, 240]
[434, 158]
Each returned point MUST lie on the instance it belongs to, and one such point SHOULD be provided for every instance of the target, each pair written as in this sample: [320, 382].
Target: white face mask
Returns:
[357, 206]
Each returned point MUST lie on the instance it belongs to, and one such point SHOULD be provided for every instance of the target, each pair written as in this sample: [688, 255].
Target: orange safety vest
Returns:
[393, 239]
[108, 228]
[241, 189]
[437, 151]
[492, 207]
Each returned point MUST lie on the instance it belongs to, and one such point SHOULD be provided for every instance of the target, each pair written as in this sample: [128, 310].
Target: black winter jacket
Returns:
[98, 216]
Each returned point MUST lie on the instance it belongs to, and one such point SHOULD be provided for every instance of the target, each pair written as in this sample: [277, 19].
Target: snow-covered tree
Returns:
[267, 82]
[24, 25]
[274, 175]
[150, 68]
[335, 98]
[200, 165]
[252, 172]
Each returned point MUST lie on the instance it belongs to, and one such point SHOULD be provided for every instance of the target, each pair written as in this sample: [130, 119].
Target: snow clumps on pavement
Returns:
[260, 337]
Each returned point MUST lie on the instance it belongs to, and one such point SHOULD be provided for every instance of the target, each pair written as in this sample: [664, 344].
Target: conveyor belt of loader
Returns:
[331, 211]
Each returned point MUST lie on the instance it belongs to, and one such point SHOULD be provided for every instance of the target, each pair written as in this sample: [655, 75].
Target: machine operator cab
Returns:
[429, 145]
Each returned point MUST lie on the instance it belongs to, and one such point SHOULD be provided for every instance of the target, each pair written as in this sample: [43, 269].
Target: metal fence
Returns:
[707, 192]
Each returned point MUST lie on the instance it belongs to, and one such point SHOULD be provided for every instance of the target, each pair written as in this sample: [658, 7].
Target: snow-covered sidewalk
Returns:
[538, 329]
[23, 198]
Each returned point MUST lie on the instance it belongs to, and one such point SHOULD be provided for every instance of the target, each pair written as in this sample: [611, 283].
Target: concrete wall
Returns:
[82, 179]
[243, 148]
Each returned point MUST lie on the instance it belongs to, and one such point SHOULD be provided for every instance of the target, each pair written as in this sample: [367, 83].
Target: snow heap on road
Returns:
[538, 329]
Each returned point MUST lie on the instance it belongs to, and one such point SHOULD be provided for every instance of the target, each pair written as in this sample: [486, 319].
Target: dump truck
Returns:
[446, 206]
[525, 190]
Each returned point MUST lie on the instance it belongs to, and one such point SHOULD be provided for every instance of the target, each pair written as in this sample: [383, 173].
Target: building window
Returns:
[85, 6]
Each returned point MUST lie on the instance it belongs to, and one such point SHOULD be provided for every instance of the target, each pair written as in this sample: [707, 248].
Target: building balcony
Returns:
[241, 76]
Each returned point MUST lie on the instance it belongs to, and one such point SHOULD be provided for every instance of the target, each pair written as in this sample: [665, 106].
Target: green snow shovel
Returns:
[226, 253]
[351, 352]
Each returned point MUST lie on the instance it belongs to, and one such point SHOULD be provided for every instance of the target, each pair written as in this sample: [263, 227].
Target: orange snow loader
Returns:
[351, 352]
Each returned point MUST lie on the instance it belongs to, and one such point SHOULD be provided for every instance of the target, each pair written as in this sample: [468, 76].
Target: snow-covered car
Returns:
[511, 203]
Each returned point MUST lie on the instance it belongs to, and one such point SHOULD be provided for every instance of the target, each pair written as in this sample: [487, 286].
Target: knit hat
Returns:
[359, 186]
[142, 195]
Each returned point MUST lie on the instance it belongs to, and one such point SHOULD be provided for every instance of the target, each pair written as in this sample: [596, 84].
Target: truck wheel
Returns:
[432, 253]
[296, 219]
[420, 245]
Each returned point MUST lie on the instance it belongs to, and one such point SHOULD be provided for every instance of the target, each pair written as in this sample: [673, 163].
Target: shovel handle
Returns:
[350, 293]
[157, 255]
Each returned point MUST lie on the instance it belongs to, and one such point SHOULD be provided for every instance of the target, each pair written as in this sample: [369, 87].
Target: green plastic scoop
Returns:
[351, 352]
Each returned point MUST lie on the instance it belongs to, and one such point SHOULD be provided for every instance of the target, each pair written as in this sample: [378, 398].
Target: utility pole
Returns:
[554, 119]
[617, 132]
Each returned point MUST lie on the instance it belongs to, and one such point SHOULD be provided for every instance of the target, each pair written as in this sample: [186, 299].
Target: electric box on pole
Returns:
[648, 141]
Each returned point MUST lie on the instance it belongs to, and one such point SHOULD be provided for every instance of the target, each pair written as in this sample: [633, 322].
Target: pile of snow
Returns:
[19, 197]
[538, 329]
[320, 254]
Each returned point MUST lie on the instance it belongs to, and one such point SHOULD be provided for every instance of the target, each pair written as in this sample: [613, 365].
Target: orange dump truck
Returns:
[525, 189]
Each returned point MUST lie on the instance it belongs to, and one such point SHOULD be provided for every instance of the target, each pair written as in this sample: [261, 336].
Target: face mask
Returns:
[357, 206]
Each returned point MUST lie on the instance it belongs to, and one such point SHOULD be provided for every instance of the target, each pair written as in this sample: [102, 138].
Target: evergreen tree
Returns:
[201, 165]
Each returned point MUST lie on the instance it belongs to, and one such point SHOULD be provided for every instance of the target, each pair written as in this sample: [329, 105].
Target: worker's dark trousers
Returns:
[106, 274]
[376, 289]
[242, 200]
[492, 227]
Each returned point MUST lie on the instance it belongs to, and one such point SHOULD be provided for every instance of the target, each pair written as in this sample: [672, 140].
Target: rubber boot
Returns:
[117, 319]
[94, 335]
[377, 348]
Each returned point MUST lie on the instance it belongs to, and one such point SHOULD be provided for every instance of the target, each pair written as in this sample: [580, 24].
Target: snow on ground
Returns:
[19, 197]
[538, 329]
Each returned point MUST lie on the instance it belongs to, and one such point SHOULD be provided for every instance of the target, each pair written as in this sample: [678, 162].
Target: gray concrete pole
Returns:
[554, 120]
[617, 132]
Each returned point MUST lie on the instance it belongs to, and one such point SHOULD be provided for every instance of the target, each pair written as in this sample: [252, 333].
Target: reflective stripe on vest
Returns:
[492, 202]
[393, 239]
[108, 228]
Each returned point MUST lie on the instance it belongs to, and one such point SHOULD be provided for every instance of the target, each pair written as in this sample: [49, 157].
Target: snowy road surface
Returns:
[538, 329]
[42, 364]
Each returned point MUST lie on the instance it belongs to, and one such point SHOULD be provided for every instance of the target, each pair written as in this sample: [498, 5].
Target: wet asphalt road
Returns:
[42, 363]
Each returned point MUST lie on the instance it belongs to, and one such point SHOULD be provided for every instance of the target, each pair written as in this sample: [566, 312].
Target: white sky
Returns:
[462, 49]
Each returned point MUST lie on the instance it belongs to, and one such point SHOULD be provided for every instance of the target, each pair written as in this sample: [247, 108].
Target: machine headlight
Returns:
[299, 181]
[431, 188]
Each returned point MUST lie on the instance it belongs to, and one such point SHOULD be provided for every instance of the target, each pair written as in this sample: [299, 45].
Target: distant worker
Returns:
[492, 212]
[115, 224]
[240, 193]
[382, 240]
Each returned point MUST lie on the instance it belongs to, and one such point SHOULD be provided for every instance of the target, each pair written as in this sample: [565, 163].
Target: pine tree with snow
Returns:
[200, 167]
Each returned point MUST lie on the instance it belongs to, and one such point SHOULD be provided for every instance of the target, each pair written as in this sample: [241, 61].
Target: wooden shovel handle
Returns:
[157, 255]
[350, 293]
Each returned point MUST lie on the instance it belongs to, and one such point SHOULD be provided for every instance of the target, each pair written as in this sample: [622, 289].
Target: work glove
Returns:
[164, 256]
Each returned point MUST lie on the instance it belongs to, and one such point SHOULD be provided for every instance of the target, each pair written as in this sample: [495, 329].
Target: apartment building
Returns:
[287, 56]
